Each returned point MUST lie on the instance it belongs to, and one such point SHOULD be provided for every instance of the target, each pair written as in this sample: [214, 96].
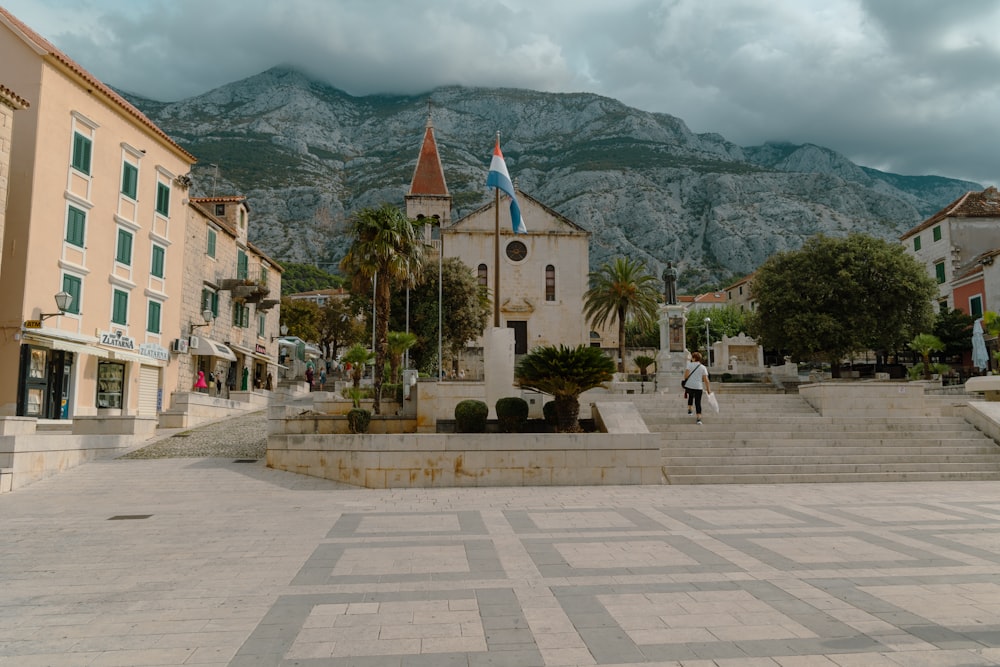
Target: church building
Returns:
[543, 274]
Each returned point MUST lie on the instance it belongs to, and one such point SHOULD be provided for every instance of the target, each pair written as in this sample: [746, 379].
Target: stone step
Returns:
[833, 440]
[828, 477]
[853, 467]
[785, 432]
[822, 459]
[714, 453]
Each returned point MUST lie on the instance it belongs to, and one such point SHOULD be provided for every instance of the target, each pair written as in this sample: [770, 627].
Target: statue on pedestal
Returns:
[670, 284]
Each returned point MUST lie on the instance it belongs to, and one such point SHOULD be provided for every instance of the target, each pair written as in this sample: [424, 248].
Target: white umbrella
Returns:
[980, 358]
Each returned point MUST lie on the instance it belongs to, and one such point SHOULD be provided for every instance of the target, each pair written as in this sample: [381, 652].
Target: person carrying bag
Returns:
[695, 383]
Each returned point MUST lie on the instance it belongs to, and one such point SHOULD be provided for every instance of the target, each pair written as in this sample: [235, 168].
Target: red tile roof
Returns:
[13, 98]
[428, 177]
[985, 204]
[67, 63]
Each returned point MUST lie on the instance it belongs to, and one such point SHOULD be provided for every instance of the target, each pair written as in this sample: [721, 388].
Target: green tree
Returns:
[302, 318]
[725, 321]
[386, 250]
[465, 306]
[564, 373]
[399, 342]
[339, 326]
[836, 296]
[924, 344]
[306, 277]
[954, 328]
[621, 292]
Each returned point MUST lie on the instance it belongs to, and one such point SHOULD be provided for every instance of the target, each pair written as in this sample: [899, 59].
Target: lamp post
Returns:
[63, 301]
[207, 315]
[708, 342]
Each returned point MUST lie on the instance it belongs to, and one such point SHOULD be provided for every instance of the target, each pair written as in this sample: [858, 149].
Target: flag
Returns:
[499, 178]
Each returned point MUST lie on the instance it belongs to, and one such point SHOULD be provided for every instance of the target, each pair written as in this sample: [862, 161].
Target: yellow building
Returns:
[95, 216]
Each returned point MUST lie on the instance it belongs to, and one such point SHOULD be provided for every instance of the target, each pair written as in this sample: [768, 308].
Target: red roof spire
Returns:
[428, 177]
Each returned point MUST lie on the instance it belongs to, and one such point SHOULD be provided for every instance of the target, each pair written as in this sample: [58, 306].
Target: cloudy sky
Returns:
[909, 86]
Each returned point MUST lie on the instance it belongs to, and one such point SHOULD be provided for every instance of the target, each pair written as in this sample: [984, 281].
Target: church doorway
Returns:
[520, 328]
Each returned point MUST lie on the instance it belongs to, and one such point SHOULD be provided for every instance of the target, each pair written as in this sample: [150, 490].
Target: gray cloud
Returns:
[904, 85]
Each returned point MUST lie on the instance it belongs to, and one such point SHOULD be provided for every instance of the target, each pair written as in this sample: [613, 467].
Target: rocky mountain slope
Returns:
[307, 155]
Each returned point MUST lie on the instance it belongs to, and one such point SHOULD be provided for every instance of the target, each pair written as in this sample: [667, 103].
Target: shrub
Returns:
[358, 420]
[564, 373]
[512, 414]
[393, 392]
[470, 416]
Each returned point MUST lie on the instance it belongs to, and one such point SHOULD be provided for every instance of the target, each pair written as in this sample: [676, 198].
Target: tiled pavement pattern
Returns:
[213, 562]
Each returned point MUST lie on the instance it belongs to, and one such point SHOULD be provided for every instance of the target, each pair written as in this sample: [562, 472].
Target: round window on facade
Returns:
[516, 251]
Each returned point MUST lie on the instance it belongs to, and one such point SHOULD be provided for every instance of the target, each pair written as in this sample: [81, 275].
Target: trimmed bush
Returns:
[358, 420]
[512, 414]
[470, 416]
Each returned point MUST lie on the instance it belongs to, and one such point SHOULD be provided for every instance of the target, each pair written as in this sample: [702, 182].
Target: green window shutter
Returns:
[210, 250]
[119, 310]
[81, 153]
[130, 180]
[263, 275]
[236, 314]
[939, 272]
[242, 265]
[916, 243]
[76, 226]
[261, 321]
[215, 304]
[73, 286]
[163, 199]
[124, 253]
[153, 317]
[157, 264]
[937, 233]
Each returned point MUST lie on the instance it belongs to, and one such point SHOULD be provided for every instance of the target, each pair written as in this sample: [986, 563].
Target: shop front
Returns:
[217, 363]
[47, 376]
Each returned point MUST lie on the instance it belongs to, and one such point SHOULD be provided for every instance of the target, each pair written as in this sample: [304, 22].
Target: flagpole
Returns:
[496, 254]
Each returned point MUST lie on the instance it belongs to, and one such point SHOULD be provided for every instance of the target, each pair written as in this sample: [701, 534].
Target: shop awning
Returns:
[206, 347]
[286, 343]
[66, 346]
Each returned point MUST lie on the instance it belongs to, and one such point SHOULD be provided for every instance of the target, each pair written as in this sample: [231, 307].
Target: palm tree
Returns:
[624, 292]
[924, 344]
[398, 342]
[564, 373]
[357, 356]
[386, 250]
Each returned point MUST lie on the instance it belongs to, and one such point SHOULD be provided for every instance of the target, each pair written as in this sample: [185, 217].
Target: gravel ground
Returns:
[242, 437]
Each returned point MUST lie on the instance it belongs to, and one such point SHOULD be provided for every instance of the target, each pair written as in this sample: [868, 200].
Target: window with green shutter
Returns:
[76, 226]
[119, 307]
[241, 315]
[163, 199]
[916, 243]
[124, 253]
[130, 180]
[153, 317]
[937, 233]
[210, 249]
[156, 265]
[242, 265]
[210, 301]
[261, 323]
[939, 272]
[73, 286]
[81, 153]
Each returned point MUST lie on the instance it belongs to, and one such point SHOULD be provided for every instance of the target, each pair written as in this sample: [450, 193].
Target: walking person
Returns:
[695, 382]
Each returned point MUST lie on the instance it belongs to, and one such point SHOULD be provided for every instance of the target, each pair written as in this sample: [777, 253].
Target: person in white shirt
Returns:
[695, 382]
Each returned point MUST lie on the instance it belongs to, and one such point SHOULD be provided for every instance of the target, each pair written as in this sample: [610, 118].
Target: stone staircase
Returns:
[762, 436]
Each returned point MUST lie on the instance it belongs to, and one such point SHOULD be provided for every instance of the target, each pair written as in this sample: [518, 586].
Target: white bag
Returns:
[713, 402]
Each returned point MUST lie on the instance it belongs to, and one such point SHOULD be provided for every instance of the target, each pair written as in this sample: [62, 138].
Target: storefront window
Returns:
[110, 380]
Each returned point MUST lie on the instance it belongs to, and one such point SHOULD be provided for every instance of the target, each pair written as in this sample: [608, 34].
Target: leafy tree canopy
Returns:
[725, 321]
[954, 329]
[841, 295]
[622, 291]
[305, 278]
[302, 318]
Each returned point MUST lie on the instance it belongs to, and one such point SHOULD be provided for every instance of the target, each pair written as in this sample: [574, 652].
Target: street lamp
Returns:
[284, 332]
[207, 315]
[63, 301]
[708, 342]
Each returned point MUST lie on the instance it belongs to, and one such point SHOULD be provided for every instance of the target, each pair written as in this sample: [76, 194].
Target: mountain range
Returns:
[308, 155]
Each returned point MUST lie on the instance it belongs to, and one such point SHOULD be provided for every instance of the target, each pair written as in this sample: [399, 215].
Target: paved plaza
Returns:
[218, 561]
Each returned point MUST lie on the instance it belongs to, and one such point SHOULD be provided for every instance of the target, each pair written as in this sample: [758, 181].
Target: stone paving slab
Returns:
[210, 562]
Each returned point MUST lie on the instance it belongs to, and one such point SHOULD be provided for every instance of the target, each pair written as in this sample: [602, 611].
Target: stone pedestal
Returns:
[673, 356]
[498, 361]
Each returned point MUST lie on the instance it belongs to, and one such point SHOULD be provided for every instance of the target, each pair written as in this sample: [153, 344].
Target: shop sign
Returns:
[116, 340]
[260, 349]
[154, 351]
[32, 324]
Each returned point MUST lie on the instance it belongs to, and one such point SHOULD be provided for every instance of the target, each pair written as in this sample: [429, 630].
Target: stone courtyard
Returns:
[188, 555]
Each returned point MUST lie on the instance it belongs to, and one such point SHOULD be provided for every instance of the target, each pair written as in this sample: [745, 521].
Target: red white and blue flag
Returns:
[500, 179]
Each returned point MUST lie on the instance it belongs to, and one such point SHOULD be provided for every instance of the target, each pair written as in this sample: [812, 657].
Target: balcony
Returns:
[245, 290]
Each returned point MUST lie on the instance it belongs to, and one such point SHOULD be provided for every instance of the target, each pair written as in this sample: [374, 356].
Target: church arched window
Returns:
[550, 283]
[483, 276]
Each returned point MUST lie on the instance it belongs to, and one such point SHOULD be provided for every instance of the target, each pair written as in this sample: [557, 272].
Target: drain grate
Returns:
[129, 517]
[245, 461]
